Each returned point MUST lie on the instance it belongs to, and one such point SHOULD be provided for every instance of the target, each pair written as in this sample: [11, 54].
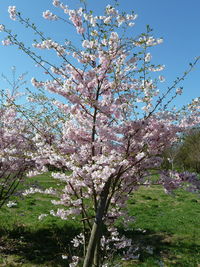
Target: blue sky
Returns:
[177, 21]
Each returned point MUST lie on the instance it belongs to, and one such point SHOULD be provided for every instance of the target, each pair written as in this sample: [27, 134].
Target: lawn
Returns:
[166, 230]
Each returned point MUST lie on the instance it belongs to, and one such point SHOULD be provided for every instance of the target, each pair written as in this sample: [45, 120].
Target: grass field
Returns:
[166, 231]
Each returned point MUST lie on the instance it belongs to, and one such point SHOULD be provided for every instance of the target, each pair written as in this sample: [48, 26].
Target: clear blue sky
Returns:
[177, 21]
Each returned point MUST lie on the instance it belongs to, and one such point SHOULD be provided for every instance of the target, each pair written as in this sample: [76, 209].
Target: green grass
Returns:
[169, 225]
[26, 241]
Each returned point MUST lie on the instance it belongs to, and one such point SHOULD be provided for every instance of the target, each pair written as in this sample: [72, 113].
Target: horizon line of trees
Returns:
[184, 155]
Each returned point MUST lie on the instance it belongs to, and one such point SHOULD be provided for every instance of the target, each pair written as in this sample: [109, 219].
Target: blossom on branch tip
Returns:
[131, 24]
[107, 20]
[6, 42]
[179, 91]
[12, 11]
[155, 69]
[49, 15]
[56, 3]
[2, 27]
[148, 57]
[161, 78]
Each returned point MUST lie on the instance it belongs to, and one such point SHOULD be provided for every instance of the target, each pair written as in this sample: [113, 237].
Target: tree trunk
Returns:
[97, 251]
[97, 226]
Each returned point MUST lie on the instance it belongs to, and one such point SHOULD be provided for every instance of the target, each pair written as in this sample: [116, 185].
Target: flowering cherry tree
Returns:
[115, 124]
[15, 142]
[17, 133]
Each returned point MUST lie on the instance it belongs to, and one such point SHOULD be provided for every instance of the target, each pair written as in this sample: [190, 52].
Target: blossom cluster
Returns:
[49, 15]
[50, 44]
[12, 11]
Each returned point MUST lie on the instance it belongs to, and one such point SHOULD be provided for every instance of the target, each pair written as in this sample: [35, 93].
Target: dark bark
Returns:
[97, 226]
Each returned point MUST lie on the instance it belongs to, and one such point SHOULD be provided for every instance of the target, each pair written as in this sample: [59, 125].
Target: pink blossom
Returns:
[2, 27]
[179, 91]
[148, 57]
[161, 78]
[12, 11]
[56, 3]
[49, 15]
[7, 42]
[76, 20]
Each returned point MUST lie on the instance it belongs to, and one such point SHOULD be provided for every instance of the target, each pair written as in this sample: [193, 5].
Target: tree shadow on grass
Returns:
[160, 247]
[45, 246]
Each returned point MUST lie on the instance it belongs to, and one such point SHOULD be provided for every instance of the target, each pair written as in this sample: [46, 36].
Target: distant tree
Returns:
[16, 136]
[188, 155]
[170, 156]
[14, 146]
